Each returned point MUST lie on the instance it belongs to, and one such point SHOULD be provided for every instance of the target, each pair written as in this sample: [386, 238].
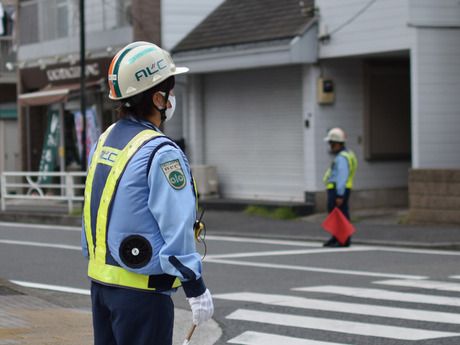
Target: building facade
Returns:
[48, 64]
[395, 84]
[267, 80]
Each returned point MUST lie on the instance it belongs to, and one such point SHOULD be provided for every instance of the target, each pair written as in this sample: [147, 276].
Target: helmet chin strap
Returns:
[163, 111]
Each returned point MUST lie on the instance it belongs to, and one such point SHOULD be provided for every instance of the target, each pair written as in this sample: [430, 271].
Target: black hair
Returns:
[139, 106]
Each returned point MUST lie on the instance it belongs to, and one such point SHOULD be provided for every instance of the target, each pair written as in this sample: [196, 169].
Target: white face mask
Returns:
[170, 111]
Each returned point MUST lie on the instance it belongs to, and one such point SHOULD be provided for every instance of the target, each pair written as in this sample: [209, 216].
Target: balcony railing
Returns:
[45, 20]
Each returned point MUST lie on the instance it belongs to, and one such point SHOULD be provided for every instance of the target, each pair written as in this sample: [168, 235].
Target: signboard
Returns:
[35, 78]
[72, 72]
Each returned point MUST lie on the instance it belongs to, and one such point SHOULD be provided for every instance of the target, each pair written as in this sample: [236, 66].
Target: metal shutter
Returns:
[254, 133]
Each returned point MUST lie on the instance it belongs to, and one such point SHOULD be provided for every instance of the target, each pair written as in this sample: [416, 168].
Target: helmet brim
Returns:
[181, 70]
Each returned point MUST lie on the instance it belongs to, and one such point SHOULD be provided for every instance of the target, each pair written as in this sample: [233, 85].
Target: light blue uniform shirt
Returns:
[339, 173]
[147, 204]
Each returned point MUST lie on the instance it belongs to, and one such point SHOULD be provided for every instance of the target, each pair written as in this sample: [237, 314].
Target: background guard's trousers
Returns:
[332, 195]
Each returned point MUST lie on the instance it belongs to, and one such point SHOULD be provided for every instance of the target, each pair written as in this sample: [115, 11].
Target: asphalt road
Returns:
[279, 292]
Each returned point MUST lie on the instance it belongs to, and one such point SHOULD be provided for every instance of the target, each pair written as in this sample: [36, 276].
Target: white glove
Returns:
[202, 307]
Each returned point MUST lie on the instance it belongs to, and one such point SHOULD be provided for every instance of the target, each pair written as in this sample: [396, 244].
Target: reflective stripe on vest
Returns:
[352, 166]
[98, 269]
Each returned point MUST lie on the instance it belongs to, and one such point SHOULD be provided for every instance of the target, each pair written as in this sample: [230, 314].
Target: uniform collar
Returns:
[144, 123]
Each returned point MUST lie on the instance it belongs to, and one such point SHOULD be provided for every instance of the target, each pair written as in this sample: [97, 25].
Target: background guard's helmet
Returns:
[138, 67]
[336, 135]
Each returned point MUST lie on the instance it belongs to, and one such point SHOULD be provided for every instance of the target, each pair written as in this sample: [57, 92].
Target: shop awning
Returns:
[52, 94]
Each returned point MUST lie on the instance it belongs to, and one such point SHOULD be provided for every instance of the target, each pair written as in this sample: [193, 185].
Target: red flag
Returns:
[338, 226]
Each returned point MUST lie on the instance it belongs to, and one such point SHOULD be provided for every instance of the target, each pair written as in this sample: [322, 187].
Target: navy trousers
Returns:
[332, 195]
[130, 317]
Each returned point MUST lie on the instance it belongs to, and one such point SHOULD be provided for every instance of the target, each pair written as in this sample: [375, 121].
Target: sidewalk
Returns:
[27, 319]
[383, 227]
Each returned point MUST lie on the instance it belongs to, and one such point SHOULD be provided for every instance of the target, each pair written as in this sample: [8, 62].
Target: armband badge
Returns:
[174, 174]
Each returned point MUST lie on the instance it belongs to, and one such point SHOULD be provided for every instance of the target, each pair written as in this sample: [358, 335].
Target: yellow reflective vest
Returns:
[98, 268]
[352, 165]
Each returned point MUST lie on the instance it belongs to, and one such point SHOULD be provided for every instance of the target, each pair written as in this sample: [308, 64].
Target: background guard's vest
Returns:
[352, 166]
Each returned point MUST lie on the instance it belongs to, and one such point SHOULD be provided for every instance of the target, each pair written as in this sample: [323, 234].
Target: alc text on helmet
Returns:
[148, 71]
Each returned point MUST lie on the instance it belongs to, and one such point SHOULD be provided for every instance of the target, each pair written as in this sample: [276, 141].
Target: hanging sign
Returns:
[50, 147]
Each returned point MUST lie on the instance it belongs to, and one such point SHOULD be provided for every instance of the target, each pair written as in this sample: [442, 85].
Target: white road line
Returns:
[52, 287]
[258, 338]
[287, 252]
[349, 327]
[341, 307]
[454, 277]
[40, 244]
[417, 251]
[39, 226]
[299, 243]
[380, 294]
[312, 269]
[422, 284]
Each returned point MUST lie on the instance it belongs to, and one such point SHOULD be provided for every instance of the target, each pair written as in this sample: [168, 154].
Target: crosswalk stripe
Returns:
[422, 284]
[311, 269]
[258, 338]
[349, 327]
[342, 307]
[381, 294]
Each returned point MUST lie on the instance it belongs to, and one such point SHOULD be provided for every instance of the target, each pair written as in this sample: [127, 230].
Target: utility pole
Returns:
[82, 82]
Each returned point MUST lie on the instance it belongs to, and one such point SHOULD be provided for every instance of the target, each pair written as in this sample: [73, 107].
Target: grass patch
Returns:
[404, 220]
[76, 211]
[276, 213]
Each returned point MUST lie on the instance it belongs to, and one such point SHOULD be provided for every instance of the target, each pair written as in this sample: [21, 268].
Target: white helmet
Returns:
[336, 135]
[138, 67]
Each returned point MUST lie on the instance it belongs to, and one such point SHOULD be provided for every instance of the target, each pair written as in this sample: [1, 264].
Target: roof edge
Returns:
[291, 50]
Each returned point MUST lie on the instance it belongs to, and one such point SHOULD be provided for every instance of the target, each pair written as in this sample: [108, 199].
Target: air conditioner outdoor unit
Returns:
[206, 180]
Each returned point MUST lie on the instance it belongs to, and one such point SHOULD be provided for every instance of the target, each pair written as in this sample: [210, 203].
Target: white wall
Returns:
[179, 17]
[435, 83]
[309, 77]
[347, 113]
[431, 13]
[381, 28]
[436, 98]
